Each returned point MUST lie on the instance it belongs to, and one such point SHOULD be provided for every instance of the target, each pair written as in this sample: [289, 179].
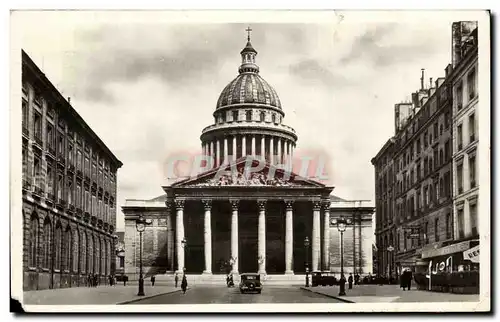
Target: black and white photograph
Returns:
[258, 161]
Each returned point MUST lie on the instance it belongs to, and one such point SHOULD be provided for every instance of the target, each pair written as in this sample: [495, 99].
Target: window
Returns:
[76, 250]
[441, 129]
[248, 115]
[472, 128]
[37, 125]
[262, 116]
[447, 120]
[471, 84]
[70, 154]
[447, 150]
[25, 113]
[87, 201]
[33, 242]
[79, 160]
[50, 137]
[60, 186]
[460, 178]
[405, 239]
[58, 247]
[50, 178]
[47, 243]
[459, 96]
[417, 200]
[441, 157]
[78, 197]
[472, 171]
[37, 171]
[436, 130]
[436, 229]
[449, 226]
[273, 116]
[426, 232]
[70, 193]
[235, 116]
[473, 218]
[436, 158]
[223, 117]
[459, 137]
[418, 146]
[460, 219]
[426, 196]
[122, 262]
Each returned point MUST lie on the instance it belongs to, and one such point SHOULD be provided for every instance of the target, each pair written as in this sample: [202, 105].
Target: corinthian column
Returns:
[326, 236]
[234, 148]
[263, 147]
[207, 204]
[271, 150]
[278, 154]
[226, 153]
[234, 235]
[316, 242]
[179, 234]
[212, 153]
[243, 145]
[289, 237]
[170, 236]
[261, 251]
[217, 162]
[253, 145]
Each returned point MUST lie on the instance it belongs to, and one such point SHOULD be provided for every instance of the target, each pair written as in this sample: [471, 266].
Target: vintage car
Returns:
[250, 282]
[323, 279]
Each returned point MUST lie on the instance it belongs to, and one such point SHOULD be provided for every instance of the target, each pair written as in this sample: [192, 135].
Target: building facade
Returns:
[69, 190]
[420, 205]
[255, 221]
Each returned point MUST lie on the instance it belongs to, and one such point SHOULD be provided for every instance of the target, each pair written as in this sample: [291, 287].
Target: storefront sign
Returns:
[455, 248]
[472, 254]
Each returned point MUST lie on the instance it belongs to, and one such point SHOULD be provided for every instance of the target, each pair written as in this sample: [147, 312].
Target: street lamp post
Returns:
[341, 226]
[306, 245]
[184, 247]
[390, 249]
[140, 225]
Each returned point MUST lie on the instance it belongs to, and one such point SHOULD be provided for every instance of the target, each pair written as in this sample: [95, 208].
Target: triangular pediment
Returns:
[248, 172]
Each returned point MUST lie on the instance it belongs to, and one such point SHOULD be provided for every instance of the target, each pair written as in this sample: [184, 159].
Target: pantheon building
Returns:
[249, 221]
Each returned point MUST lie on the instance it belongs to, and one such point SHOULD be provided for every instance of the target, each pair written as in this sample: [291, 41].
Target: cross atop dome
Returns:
[248, 30]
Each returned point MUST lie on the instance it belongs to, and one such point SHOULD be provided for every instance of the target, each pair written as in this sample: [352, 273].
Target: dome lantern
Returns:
[248, 54]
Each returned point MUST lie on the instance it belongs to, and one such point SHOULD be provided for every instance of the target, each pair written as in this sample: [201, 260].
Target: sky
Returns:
[148, 86]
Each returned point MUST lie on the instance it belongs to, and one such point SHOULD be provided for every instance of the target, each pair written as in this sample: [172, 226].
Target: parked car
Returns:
[250, 282]
[323, 279]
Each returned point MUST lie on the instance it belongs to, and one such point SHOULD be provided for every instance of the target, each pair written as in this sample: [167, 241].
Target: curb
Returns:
[148, 297]
[327, 295]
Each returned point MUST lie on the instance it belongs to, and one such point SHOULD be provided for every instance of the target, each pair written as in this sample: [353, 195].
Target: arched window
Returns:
[262, 116]
[441, 157]
[249, 115]
[76, 250]
[67, 249]
[83, 253]
[33, 242]
[96, 256]
[58, 246]
[47, 244]
[90, 262]
[274, 117]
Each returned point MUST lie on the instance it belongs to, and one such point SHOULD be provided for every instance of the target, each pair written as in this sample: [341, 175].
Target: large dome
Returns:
[248, 88]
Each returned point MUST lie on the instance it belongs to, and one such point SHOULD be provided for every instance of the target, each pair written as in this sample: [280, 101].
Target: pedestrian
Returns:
[402, 282]
[350, 279]
[356, 279]
[176, 279]
[153, 280]
[125, 279]
[409, 278]
[184, 283]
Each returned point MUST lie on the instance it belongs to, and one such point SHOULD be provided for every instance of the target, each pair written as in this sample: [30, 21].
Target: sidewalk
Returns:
[389, 293]
[106, 295]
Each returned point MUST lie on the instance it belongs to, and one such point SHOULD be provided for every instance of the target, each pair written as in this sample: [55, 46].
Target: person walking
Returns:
[350, 279]
[409, 278]
[184, 284]
[176, 279]
[356, 279]
[125, 279]
[402, 280]
[153, 278]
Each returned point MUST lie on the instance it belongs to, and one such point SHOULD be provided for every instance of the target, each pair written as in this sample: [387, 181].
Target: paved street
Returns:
[392, 293]
[223, 295]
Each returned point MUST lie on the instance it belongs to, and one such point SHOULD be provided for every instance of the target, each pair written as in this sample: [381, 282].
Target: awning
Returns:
[447, 250]
[472, 254]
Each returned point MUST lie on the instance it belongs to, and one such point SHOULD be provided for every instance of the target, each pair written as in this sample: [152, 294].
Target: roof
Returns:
[248, 88]
[66, 106]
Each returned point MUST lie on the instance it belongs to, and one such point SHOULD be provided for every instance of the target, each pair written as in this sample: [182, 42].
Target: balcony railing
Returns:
[61, 158]
[26, 131]
[38, 139]
[472, 94]
[459, 106]
[51, 196]
[71, 208]
[79, 173]
[71, 168]
[460, 190]
[61, 203]
[39, 190]
[51, 150]
[26, 184]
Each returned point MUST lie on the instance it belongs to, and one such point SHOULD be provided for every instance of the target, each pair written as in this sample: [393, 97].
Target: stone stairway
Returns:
[220, 279]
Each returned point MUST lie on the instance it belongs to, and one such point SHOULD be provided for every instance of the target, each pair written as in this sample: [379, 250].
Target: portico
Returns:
[256, 227]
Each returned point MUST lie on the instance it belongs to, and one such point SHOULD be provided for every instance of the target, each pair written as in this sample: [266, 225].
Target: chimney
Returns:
[69, 100]
[430, 82]
[422, 79]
